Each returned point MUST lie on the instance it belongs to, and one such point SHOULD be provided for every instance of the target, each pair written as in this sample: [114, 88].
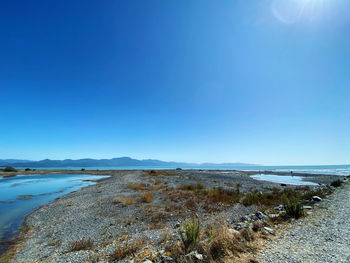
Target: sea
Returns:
[312, 169]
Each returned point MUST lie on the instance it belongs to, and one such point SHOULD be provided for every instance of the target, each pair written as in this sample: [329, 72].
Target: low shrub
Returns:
[81, 244]
[293, 208]
[9, 169]
[188, 187]
[200, 186]
[337, 183]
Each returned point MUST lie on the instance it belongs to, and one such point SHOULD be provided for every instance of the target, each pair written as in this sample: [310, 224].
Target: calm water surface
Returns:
[285, 179]
[24, 193]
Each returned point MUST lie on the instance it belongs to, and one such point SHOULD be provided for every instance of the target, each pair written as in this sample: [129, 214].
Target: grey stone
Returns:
[307, 207]
[195, 254]
[316, 198]
[260, 215]
[245, 218]
[279, 208]
[270, 230]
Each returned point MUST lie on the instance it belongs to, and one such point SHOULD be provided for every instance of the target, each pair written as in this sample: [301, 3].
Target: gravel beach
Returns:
[323, 237]
[114, 211]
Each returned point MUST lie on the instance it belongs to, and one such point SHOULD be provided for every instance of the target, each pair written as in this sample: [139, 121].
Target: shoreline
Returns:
[123, 177]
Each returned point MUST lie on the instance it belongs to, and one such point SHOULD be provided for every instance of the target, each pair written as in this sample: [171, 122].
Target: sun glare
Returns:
[292, 11]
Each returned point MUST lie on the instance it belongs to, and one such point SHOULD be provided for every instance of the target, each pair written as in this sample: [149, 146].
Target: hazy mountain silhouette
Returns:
[121, 161]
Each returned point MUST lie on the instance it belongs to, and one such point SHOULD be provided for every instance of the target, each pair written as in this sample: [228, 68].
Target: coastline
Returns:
[119, 179]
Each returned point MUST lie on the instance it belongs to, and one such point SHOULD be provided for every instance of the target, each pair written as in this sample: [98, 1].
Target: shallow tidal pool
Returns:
[283, 179]
[22, 194]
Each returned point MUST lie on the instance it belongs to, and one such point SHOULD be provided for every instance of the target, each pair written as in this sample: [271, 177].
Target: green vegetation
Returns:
[192, 187]
[293, 208]
[337, 183]
[9, 169]
[189, 232]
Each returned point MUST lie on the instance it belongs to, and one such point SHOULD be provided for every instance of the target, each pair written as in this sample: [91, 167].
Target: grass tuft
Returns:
[128, 249]
[81, 244]
[337, 183]
[293, 208]
[147, 197]
[189, 232]
[124, 200]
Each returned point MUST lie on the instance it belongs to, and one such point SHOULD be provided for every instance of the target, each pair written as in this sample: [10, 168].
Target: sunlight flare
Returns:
[292, 11]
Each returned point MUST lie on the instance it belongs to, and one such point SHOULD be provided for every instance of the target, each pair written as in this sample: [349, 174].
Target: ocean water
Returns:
[22, 194]
[313, 169]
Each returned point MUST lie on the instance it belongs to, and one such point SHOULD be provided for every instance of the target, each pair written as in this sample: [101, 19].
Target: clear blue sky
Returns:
[263, 81]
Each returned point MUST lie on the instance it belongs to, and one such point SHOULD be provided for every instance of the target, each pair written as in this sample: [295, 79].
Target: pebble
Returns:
[323, 237]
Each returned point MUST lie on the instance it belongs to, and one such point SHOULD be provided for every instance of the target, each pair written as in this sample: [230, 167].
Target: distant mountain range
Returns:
[116, 162]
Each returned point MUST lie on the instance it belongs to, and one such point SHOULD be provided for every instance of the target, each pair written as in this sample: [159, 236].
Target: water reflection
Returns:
[22, 194]
[285, 179]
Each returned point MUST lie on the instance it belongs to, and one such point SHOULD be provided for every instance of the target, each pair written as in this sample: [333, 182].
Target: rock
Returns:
[279, 208]
[273, 216]
[260, 215]
[307, 207]
[166, 259]
[195, 254]
[269, 230]
[316, 198]
[233, 231]
[147, 261]
[245, 218]
[240, 226]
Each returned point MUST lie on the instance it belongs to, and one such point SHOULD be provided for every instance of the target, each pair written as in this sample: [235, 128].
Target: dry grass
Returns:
[157, 182]
[276, 196]
[124, 200]
[160, 172]
[146, 197]
[137, 187]
[81, 244]
[128, 249]
[217, 244]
